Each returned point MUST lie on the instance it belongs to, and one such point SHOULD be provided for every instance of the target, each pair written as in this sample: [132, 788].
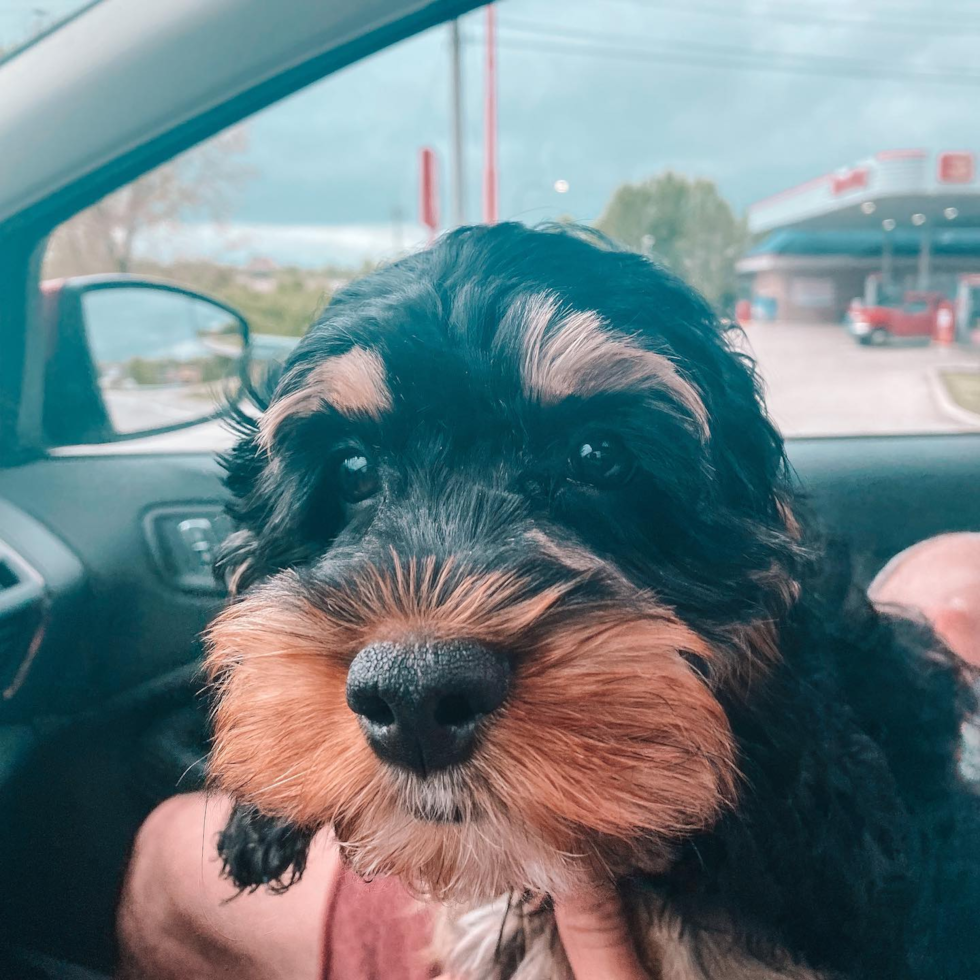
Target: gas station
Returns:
[901, 222]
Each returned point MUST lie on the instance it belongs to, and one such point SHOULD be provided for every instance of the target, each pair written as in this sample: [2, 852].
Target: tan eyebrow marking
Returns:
[354, 383]
[576, 352]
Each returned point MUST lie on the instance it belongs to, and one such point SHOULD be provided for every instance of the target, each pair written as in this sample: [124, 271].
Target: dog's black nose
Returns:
[420, 704]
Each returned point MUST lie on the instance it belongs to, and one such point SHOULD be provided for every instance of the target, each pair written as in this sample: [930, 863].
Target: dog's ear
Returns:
[749, 454]
[259, 851]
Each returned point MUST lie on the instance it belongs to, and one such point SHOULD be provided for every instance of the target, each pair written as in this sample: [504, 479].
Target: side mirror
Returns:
[131, 357]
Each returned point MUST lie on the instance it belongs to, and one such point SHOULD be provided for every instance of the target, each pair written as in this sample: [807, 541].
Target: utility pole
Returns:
[397, 238]
[458, 163]
[490, 122]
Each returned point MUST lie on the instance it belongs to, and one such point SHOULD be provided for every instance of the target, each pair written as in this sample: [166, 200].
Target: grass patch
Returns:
[964, 388]
[295, 298]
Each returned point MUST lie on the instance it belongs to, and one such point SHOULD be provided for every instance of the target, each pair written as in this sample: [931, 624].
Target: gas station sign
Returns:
[849, 180]
[956, 168]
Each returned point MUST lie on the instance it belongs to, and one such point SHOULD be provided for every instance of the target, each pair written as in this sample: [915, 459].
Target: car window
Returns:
[807, 166]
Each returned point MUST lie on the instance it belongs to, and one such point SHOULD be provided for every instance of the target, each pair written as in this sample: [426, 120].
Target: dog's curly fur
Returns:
[705, 706]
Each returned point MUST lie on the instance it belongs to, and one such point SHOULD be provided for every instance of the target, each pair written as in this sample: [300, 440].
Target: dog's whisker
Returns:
[286, 778]
[196, 762]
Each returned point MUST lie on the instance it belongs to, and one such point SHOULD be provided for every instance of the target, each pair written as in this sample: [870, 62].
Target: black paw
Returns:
[259, 851]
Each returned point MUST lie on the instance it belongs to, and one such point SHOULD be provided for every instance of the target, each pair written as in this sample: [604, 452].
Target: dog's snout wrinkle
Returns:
[420, 705]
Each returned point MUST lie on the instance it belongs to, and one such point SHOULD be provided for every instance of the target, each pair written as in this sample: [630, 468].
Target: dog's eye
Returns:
[358, 478]
[603, 462]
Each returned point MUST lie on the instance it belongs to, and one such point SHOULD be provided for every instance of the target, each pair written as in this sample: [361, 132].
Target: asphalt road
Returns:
[820, 382]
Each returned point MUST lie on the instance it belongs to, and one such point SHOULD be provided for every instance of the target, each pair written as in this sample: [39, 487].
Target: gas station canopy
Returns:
[898, 222]
[893, 189]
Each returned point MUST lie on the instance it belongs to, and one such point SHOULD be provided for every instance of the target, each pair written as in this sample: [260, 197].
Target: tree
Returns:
[686, 224]
[105, 237]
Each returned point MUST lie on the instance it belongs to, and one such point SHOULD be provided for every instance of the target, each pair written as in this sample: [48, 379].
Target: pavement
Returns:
[157, 406]
[820, 382]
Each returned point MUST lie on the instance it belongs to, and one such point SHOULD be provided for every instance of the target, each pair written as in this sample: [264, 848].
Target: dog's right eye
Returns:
[601, 462]
[358, 478]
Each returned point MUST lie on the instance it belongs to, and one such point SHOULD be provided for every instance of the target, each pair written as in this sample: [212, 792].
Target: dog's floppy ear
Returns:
[259, 851]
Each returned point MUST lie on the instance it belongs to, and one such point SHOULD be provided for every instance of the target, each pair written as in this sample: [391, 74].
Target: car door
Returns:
[914, 318]
[106, 531]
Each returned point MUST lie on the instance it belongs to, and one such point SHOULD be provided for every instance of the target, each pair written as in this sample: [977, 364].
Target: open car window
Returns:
[756, 150]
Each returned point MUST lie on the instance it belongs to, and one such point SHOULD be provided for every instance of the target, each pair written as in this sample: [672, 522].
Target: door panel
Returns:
[139, 621]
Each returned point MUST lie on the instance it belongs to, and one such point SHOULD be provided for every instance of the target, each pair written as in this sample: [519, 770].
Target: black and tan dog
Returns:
[521, 597]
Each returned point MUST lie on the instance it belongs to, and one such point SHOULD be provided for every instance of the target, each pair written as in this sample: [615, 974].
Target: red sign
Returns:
[956, 168]
[849, 180]
[428, 190]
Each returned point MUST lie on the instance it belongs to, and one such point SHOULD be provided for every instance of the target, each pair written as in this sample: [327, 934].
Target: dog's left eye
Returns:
[603, 461]
[358, 478]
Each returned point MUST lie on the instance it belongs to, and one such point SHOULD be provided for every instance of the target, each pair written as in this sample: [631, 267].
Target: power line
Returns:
[693, 54]
[700, 48]
[707, 60]
[814, 17]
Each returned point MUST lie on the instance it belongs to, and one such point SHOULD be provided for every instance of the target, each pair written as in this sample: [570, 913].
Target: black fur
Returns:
[259, 851]
[855, 844]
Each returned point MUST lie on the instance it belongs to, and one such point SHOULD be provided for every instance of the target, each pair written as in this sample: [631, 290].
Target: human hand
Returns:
[595, 934]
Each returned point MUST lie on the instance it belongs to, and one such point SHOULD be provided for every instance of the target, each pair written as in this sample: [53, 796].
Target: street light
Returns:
[888, 224]
[950, 213]
[918, 218]
[561, 186]
[868, 207]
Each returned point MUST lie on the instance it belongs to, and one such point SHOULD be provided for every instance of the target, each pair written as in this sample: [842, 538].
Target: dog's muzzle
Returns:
[421, 705]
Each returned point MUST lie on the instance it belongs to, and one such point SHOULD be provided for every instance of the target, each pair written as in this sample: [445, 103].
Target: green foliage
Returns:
[287, 311]
[684, 223]
[143, 372]
[293, 300]
[203, 370]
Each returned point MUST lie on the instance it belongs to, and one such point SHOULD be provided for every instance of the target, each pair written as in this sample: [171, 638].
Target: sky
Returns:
[756, 95]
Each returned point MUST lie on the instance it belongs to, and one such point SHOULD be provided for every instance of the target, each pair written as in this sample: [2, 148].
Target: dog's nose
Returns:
[421, 704]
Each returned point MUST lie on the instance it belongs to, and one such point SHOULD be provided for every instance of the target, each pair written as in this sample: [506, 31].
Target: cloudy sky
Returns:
[754, 94]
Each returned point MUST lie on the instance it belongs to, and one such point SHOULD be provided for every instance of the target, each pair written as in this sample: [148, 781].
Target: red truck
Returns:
[915, 317]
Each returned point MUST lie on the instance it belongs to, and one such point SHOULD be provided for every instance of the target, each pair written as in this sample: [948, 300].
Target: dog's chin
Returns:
[459, 861]
[442, 843]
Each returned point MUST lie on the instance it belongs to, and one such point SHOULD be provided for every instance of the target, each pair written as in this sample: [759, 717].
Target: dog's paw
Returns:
[259, 851]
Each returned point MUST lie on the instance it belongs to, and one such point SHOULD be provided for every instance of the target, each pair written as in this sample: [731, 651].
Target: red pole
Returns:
[429, 191]
[490, 122]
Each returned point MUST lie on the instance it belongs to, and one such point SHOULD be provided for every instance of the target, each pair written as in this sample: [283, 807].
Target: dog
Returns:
[524, 593]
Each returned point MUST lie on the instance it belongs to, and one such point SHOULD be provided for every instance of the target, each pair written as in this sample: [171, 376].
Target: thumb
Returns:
[595, 934]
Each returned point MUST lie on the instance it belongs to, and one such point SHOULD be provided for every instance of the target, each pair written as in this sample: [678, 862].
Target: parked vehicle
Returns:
[915, 317]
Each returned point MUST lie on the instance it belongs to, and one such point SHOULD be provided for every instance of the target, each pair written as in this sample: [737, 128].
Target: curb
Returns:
[946, 404]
